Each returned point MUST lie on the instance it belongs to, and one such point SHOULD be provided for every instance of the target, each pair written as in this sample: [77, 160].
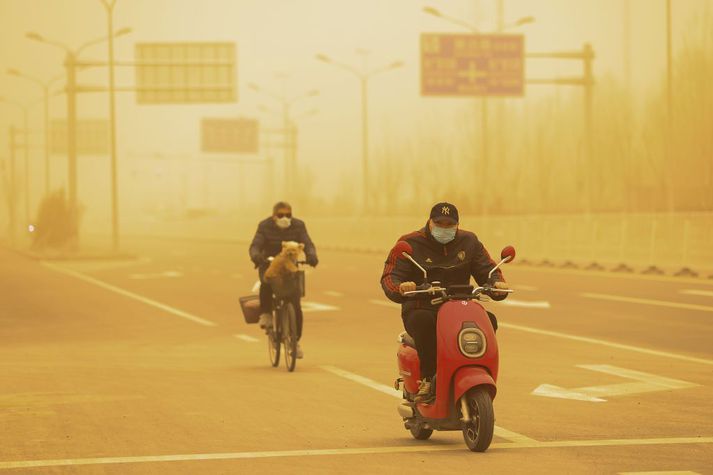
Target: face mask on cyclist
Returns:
[283, 222]
[443, 235]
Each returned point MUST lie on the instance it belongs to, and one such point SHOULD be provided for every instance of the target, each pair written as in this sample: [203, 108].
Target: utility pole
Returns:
[363, 75]
[587, 57]
[70, 64]
[26, 154]
[365, 142]
[13, 188]
[669, 134]
[109, 5]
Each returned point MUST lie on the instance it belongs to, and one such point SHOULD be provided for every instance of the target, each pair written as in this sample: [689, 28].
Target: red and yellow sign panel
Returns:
[472, 65]
[230, 135]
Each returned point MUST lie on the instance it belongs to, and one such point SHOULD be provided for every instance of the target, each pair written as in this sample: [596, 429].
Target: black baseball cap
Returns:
[445, 210]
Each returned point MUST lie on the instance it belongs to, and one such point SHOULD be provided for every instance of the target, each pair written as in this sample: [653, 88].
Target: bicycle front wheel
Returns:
[274, 337]
[289, 335]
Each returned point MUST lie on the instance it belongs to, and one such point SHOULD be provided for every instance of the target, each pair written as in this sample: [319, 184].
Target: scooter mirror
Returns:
[508, 254]
[403, 250]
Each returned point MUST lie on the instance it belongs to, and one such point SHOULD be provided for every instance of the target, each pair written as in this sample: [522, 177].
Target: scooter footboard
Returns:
[469, 377]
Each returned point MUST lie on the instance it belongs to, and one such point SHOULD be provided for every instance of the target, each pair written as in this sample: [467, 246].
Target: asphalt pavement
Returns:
[146, 366]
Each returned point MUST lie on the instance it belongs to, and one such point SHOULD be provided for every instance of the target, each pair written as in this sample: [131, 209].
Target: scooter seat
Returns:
[407, 340]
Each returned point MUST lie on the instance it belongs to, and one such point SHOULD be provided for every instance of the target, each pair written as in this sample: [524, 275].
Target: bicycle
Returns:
[283, 331]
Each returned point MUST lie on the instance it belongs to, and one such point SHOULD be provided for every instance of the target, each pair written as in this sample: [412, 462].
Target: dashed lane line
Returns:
[611, 344]
[383, 388]
[248, 338]
[668, 472]
[660, 303]
[385, 303]
[524, 303]
[532, 444]
[703, 293]
[308, 307]
[131, 295]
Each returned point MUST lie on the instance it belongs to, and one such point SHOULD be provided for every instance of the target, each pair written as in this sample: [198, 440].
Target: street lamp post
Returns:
[290, 156]
[71, 89]
[363, 76]
[26, 153]
[500, 28]
[109, 6]
[45, 86]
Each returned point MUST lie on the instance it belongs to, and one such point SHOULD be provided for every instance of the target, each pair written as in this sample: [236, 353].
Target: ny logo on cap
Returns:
[446, 210]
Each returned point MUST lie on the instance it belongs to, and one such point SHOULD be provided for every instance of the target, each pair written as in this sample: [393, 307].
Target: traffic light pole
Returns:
[586, 55]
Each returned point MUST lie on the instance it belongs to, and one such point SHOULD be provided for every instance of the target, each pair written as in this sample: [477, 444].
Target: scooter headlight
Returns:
[472, 342]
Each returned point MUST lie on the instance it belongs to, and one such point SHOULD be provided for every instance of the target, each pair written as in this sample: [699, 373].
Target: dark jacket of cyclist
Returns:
[270, 234]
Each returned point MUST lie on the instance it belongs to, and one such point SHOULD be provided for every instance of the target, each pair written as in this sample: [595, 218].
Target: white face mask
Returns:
[283, 222]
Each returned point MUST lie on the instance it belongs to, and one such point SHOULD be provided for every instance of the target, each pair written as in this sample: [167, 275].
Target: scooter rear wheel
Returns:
[478, 432]
[419, 431]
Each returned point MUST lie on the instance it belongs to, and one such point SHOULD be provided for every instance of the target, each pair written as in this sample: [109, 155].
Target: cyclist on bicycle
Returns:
[281, 226]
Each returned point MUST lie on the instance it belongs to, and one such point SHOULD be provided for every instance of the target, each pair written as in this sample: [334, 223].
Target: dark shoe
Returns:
[425, 394]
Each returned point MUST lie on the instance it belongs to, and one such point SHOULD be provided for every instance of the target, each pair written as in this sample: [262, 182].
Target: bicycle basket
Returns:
[287, 286]
[250, 306]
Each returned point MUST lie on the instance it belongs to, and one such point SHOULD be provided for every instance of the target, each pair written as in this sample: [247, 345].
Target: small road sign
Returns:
[92, 136]
[185, 73]
[472, 65]
[230, 135]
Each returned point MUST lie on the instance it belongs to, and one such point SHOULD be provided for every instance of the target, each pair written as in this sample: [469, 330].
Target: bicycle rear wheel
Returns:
[289, 335]
[274, 337]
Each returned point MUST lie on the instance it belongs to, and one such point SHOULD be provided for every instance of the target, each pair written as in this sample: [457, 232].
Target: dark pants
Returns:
[266, 303]
[420, 323]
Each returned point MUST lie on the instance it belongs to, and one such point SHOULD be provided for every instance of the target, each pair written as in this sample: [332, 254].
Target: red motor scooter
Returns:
[467, 363]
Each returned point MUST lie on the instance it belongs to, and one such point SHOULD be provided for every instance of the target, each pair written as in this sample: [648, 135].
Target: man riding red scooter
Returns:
[445, 325]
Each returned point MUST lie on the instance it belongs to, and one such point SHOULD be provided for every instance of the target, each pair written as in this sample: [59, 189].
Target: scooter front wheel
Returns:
[419, 431]
[478, 431]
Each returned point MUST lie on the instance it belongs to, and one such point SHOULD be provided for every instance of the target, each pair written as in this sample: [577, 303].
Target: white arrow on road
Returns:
[644, 383]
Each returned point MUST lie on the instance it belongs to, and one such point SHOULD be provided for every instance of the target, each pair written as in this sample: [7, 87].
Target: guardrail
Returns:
[674, 244]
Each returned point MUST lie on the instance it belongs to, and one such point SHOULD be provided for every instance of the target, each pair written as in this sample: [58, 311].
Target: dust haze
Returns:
[642, 152]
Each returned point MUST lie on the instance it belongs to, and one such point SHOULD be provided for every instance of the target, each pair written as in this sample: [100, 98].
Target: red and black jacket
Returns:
[466, 255]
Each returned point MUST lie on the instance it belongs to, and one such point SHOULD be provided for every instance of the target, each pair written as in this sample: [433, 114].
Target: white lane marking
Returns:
[333, 293]
[355, 451]
[131, 295]
[383, 388]
[610, 344]
[158, 275]
[704, 293]
[385, 303]
[527, 288]
[667, 472]
[550, 390]
[646, 383]
[248, 338]
[524, 303]
[364, 380]
[660, 303]
[308, 306]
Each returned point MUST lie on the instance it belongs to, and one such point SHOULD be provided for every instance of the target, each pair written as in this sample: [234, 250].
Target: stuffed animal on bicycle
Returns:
[284, 265]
